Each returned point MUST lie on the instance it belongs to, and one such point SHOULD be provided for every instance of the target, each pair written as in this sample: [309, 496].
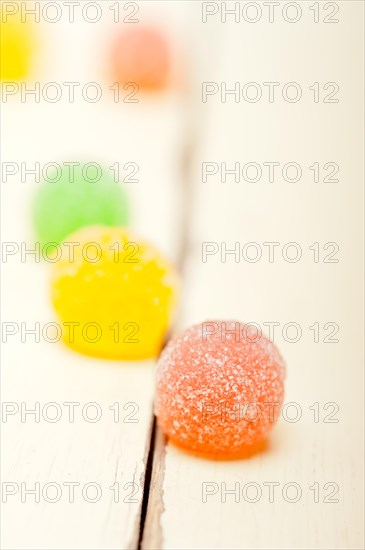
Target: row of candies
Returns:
[139, 54]
[123, 292]
[219, 387]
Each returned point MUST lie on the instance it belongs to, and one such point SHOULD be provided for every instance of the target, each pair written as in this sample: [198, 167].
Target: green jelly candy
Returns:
[74, 197]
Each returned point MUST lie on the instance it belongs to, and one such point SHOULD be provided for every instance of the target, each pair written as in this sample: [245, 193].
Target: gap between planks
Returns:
[150, 530]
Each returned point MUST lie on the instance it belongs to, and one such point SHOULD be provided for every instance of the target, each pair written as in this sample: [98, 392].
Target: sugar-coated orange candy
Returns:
[141, 56]
[220, 386]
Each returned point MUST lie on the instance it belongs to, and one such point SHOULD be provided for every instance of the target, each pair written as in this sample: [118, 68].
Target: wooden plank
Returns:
[111, 453]
[307, 452]
[152, 530]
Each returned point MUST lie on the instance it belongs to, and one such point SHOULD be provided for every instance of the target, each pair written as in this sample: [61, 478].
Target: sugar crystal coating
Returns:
[220, 386]
[115, 295]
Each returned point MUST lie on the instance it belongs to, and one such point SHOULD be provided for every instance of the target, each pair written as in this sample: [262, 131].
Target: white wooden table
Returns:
[147, 493]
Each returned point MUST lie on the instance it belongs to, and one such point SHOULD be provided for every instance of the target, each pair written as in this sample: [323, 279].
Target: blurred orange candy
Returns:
[141, 55]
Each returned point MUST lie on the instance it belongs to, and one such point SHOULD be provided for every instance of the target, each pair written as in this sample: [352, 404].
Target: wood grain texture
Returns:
[180, 514]
[111, 453]
[308, 455]
[152, 533]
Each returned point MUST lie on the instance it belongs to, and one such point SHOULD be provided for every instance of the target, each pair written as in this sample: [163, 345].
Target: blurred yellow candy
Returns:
[115, 296]
[17, 43]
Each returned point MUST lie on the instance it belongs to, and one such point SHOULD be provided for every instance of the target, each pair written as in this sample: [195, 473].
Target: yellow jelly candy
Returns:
[16, 43]
[115, 296]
